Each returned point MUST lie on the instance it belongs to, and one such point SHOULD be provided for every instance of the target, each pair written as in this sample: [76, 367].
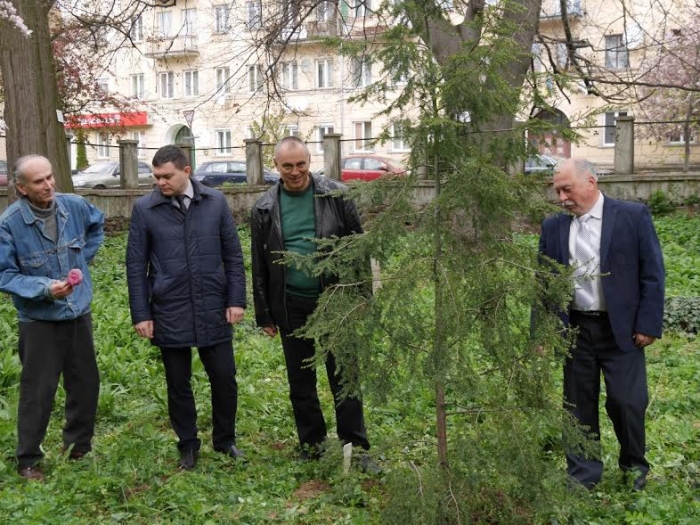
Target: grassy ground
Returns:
[132, 478]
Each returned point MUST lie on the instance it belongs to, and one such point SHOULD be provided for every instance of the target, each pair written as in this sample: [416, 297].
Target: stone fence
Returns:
[118, 202]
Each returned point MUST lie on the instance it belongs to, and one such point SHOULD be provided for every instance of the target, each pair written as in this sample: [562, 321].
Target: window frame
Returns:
[612, 125]
[223, 142]
[324, 80]
[322, 130]
[222, 19]
[102, 145]
[191, 77]
[166, 79]
[138, 85]
[223, 81]
[616, 53]
[253, 10]
[364, 139]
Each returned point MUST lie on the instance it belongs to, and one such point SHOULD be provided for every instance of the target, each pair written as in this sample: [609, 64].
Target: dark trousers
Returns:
[626, 390]
[220, 366]
[48, 349]
[311, 427]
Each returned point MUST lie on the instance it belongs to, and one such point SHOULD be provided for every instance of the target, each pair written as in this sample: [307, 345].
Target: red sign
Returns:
[108, 120]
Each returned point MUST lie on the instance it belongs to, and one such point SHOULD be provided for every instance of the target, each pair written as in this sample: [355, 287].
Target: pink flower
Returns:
[75, 277]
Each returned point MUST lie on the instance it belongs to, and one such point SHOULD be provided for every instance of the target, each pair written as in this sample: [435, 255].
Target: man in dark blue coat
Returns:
[186, 288]
[617, 308]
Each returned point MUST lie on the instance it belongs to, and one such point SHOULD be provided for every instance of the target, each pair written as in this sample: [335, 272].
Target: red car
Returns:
[369, 167]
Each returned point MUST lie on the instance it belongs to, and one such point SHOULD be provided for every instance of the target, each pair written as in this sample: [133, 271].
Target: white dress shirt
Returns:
[595, 225]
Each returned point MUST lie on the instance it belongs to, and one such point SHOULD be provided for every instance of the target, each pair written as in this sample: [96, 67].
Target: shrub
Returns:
[682, 314]
[660, 204]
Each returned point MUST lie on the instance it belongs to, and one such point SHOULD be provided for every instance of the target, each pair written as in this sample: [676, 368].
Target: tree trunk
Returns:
[31, 92]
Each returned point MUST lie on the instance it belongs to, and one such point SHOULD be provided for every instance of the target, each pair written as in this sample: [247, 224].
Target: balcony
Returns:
[317, 29]
[551, 9]
[172, 47]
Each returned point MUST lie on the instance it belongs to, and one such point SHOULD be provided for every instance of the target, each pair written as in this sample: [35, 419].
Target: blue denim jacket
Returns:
[30, 260]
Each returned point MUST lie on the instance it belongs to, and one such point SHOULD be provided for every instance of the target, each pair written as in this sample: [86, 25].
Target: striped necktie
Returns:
[584, 253]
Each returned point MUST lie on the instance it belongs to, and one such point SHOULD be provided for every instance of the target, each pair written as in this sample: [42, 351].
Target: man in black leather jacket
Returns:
[287, 218]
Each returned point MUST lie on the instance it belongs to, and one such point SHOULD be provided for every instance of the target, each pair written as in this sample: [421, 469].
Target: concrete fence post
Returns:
[253, 162]
[331, 156]
[624, 146]
[128, 163]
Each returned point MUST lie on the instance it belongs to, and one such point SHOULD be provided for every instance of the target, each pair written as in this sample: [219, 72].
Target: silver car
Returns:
[105, 174]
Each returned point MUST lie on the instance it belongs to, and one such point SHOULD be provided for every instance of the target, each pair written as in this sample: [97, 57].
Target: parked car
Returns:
[218, 172]
[3, 173]
[106, 174]
[368, 167]
[541, 164]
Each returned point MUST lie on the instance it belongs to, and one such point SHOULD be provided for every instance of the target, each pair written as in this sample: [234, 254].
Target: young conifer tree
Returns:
[450, 327]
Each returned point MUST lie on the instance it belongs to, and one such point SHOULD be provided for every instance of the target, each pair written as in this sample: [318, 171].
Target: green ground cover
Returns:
[132, 478]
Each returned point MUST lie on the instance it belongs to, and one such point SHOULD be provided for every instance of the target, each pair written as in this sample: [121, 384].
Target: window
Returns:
[223, 142]
[362, 136]
[164, 23]
[167, 84]
[610, 121]
[399, 140]
[223, 81]
[324, 11]
[137, 86]
[136, 32]
[292, 130]
[537, 62]
[322, 131]
[103, 145]
[255, 78]
[361, 72]
[324, 73]
[189, 22]
[141, 146]
[254, 15]
[221, 14]
[362, 8]
[191, 83]
[677, 137]
[289, 78]
[616, 56]
[103, 85]
[562, 55]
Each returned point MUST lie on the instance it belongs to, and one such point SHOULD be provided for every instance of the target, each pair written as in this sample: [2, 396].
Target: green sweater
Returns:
[298, 231]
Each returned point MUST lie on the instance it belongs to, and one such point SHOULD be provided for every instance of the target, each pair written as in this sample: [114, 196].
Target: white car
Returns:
[105, 174]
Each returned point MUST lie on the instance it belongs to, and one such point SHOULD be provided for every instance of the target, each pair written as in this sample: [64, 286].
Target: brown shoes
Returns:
[33, 473]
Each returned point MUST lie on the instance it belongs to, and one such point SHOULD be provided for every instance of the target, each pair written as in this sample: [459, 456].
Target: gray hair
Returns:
[289, 141]
[18, 168]
[584, 167]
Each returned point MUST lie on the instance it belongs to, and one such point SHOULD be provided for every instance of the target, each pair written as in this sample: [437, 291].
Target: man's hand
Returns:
[60, 289]
[144, 329]
[234, 314]
[642, 340]
[270, 330]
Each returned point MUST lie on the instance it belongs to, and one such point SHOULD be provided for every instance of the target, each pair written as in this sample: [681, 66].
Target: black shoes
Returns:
[33, 473]
[232, 452]
[640, 482]
[367, 465]
[188, 459]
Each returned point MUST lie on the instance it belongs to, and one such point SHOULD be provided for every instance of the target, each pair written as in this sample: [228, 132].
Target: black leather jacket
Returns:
[334, 216]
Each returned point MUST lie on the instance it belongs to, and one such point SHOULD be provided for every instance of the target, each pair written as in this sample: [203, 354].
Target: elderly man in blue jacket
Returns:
[45, 237]
[617, 309]
[186, 288]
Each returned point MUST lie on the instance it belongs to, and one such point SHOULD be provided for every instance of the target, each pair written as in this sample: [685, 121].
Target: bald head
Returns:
[576, 184]
[34, 180]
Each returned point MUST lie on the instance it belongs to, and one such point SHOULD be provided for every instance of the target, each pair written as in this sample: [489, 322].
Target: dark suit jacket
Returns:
[631, 259]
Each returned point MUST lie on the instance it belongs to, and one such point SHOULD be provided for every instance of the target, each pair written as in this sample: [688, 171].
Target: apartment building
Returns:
[209, 72]
[615, 43]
